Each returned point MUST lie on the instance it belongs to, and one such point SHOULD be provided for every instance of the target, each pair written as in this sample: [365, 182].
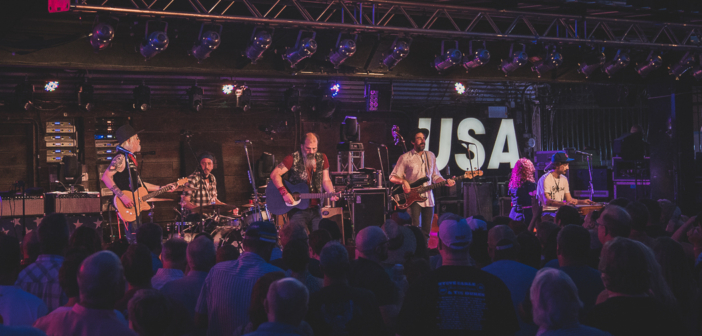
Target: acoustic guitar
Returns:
[300, 193]
[404, 200]
[141, 196]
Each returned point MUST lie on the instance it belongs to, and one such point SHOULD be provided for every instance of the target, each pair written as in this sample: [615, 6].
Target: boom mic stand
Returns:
[252, 180]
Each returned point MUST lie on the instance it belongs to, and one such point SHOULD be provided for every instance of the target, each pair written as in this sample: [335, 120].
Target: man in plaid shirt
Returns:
[41, 278]
[205, 185]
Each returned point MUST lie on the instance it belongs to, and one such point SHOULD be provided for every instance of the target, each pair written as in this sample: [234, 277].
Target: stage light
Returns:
[460, 88]
[243, 97]
[303, 48]
[85, 96]
[335, 89]
[142, 98]
[227, 88]
[261, 40]
[206, 43]
[697, 73]
[154, 43]
[553, 60]
[344, 49]
[101, 36]
[398, 51]
[23, 96]
[592, 62]
[325, 105]
[686, 63]
[51, 86]
[350, 130]
[447, 58]
[621, 60]
[516, 60]
[195, 94]
[652, 63]
[475, 59]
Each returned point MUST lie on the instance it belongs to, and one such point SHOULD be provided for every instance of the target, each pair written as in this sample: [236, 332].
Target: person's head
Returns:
[227, 252]
[502, 243]
[68, 272]
[561, 168]
[620, 201]
[127, 137]
[292, 231]
[101, 281]
[118, 246]
[151, 313]
[636, 129]
[372, 243]
[523, 171]
[332, 228]
[309, 144]
[9, 259]
[554, 299]
[318, 239]
[334, 260]
[201, 254]
[529, 250]
[654, 211]
[257, 311]
[567, 215]
[418, 138]
[53, 234]
[455, 237]
[137, 265]
[87, 238]
[207, 163]
[624, 267]
[296, 255]
[573, 245]
[287, 301]
[639, 215]
[151, 235]
[544, 230]
[174, 254]
[260, 238]
[30, 247]
[614, 222]
[668, 211]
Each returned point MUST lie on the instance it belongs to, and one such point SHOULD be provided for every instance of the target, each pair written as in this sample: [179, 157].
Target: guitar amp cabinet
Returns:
[12, 206]
[72, 203]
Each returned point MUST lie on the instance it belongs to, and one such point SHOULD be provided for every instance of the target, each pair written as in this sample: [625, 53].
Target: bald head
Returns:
[371, 242]
[286, 301]
[201, 254]
[309, 144]
[101, 280]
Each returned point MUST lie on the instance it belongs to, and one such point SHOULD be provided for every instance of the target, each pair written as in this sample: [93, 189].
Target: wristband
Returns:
[282, 191]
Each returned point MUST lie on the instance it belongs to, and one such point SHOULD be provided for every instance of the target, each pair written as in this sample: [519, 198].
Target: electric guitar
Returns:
[404, 200]
[300, 193]
[141, 196]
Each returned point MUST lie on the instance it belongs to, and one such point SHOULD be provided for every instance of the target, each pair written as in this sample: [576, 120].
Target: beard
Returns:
[310, 166]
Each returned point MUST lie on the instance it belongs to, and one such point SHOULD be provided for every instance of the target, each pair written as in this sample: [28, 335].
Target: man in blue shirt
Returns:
[286, 306]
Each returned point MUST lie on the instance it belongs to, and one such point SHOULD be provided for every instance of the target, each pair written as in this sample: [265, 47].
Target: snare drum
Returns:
[254, 216]
[230, 221]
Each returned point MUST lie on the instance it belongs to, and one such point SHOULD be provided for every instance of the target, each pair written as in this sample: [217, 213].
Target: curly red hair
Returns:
[523, 171]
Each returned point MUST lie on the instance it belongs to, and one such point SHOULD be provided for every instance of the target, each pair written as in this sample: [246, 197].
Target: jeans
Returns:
[130, 229]
[427, 214]
[309, 217]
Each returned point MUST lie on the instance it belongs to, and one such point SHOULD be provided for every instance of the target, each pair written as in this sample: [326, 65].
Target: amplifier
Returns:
[357, 180]
[52, 137]
[624, 170]
[337, 216]
[368, 207]
[60, 129]
[12, 206]
[632, 190]
[105, 143]
[72, 203]
[61, 143]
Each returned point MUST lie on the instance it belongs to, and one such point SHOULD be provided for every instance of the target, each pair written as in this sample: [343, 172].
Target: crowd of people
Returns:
[633, 269]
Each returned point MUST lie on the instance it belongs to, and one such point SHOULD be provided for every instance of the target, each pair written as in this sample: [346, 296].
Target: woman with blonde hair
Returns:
[522, 188]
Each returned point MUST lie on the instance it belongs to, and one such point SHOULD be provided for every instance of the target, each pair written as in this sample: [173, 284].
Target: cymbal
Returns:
[213, 207]
[183, 188]
[247, 206]
[161, 200]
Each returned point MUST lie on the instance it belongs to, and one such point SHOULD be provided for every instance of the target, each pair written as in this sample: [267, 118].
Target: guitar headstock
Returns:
[472, 173]
[181, 182]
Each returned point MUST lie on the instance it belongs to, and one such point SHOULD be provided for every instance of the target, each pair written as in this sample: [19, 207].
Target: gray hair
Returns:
[334, 259]
[555, 300]
[101, 278]
[174, 250]
[201, 254]
[287, 301]
[292, 231]
[369, 238]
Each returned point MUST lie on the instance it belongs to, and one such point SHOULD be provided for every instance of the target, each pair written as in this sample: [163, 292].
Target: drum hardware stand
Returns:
[252, 180]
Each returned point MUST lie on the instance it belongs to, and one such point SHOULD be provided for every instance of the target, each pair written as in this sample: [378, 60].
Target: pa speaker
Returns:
[477, 199]
[368, 207]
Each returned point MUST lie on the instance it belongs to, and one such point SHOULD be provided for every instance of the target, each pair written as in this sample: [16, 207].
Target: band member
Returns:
[522, 189]
[552, 189]
[306, 166]
[205, 185]
[412, 166]
[117, 178]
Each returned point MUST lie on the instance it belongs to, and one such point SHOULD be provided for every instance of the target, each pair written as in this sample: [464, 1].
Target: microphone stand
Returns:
[252, 180]
[202, 176]
[589, 169]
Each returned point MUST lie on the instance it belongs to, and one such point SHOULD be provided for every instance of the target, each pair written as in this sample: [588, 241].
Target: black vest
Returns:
[121, 179]
[298, 173]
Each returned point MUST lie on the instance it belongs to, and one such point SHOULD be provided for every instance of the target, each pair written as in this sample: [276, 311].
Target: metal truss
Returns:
[410, 18]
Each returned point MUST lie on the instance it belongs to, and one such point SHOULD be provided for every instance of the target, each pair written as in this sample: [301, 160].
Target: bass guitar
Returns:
[141, 196]
[404, 200]
[300, 193]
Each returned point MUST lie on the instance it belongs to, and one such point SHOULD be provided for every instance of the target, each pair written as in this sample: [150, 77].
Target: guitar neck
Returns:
[436, 185]
[154, 194]
[317, 195]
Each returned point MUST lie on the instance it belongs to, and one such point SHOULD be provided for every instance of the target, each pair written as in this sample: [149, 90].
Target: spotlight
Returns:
[85, 96]
[685, 64]
[325, 104]
[303, 48]
[23, 95]
[516, 60]
[260, 41]
[553, 60]
[335, 89]
[102, 36]
[350, 130]
[206, 43]
[142, 98]
[460, 88]
[652, 63]
[399, 50]
[227, 88]
[195, 94]
[243, 97]
[154, 43]
[592, 62]
[621, 60]
[475, 59]
[344, 49]
[51, 86]
[448, 58]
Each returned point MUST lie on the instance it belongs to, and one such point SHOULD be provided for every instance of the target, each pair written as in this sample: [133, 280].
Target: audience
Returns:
[30, 248]
[138, 272]
[17, 307]
[101, 283]
[670, 215]
[567, 215]
[402, 243]
[257, 312]
[41, 277]
[227, 252]
[614, 222]
[173, 256]
[224, 301]
[153, 314]
[69, 272]
[655, 227]
[151, 235]
[296, 256]
[318, 239]
[87, 238]
[286, 307]
[333, 229]
[556, 306]
[118, 247]
[677, 272]
[529, 250]
[288, 232]
[639, 220]
[620, 202]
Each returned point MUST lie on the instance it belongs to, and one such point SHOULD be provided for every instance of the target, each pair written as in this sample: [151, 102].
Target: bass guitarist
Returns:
[412, 166]
[310, 167]
[117, 178]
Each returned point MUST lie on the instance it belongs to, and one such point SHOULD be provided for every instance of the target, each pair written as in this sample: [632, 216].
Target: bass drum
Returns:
[228, 235]
[253, 216]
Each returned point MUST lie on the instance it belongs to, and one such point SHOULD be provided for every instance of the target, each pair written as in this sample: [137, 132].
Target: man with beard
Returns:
[306, 166]
[552, 190]
[204, 184]
[412, 166]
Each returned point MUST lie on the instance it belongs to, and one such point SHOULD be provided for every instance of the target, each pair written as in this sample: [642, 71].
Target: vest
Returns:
[121, 179]
[298, 173]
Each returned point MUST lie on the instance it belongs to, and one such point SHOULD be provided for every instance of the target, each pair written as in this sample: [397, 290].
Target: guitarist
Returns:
[116, 177]
[310, 167]
[412, 166]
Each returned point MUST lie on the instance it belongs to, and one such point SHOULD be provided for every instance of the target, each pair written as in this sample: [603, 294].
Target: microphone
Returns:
[242, 141]
[582, 153]
[148, 153]
[376, 143]
[122, 149]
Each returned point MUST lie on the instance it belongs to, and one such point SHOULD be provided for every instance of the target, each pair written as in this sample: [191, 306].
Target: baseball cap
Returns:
[455, 234]
[476, 224]
[263, 231]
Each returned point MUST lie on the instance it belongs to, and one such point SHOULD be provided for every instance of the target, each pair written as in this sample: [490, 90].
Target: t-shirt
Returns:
[288, 163]
[457, 300]
[371, 276]
[555, 188]
[623, 315]
[344, 310]
[19, 308]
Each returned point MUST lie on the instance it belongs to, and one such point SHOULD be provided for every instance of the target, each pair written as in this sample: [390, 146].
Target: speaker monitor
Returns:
[477, 199]
[72, 203]
[454, 206]
[632, 191]
[337, 216]
[12, 206]
[368, 208]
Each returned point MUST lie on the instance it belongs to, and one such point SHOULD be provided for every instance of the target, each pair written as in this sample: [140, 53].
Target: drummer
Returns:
[203, 186]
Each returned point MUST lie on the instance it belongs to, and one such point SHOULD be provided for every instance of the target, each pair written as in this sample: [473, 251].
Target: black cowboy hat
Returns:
[419, 130]
[124, 133]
